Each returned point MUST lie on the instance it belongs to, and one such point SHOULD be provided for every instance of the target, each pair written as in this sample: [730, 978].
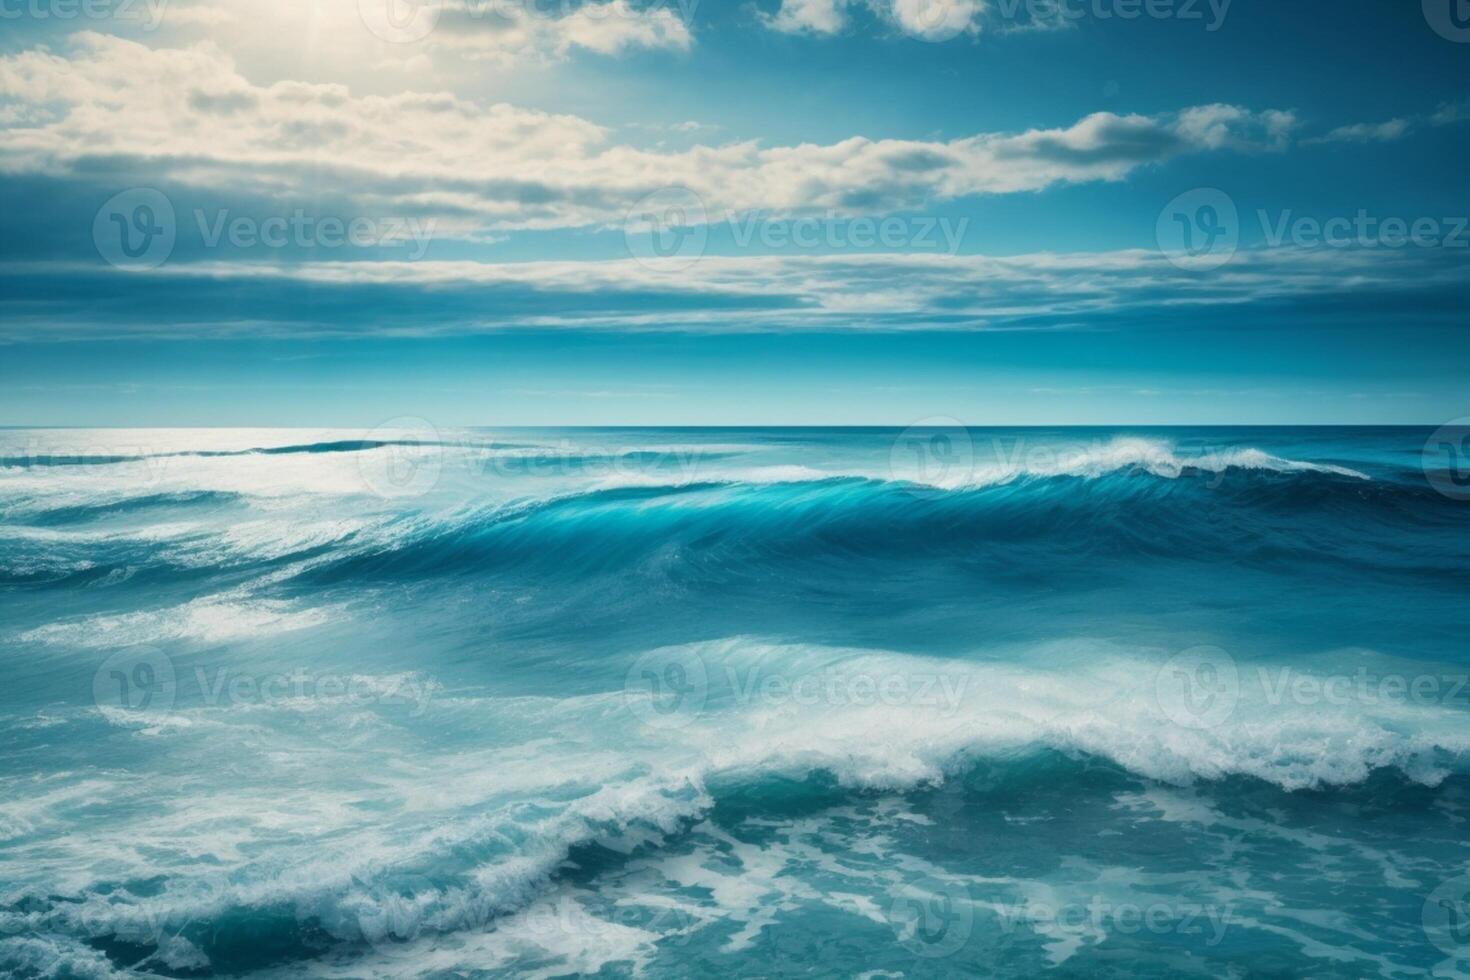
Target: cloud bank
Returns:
[111, 106]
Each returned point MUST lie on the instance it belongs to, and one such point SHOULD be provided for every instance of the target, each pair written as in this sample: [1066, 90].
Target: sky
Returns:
[727, 212]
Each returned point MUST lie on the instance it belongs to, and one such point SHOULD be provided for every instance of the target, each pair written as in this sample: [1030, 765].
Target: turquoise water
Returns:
[672, 703]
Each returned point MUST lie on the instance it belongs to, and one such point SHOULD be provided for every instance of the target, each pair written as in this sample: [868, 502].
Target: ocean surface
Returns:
[752, 703]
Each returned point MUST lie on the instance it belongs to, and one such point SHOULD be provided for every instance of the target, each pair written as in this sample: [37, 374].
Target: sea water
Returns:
[694, 702]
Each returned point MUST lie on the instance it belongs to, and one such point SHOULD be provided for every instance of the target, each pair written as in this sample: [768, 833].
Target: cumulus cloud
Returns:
[187, 115]
[503, 31]
[506, 30]
[928, 19]
[809, 17]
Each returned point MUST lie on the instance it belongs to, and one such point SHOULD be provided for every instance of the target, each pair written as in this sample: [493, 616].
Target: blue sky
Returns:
[788, 211]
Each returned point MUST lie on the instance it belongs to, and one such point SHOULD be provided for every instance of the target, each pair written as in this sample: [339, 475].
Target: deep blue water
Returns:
[773, 702]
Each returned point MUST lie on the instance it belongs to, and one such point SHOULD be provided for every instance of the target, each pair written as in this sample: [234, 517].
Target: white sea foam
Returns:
[47, 957]
[1084, 697]
[1153, 456]
[523, 802]
[212, 619]
[1156, 457]
[755, 475]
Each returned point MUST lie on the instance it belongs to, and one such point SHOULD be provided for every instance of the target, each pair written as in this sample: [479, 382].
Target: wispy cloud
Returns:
[1384, 132]
[1395, 129]
[724, 294]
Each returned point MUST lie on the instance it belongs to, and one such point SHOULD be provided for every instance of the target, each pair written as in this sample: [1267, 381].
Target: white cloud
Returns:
[809, 17]
[188, 115]
[1451, 112]
[938, 20]
[411, 33]
[1216, 127]
[933, 20]
[507, 30]
[1384, 132]
[1042, 291]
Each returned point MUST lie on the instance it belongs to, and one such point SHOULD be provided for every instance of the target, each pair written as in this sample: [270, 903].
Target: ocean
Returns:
[422, 702]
